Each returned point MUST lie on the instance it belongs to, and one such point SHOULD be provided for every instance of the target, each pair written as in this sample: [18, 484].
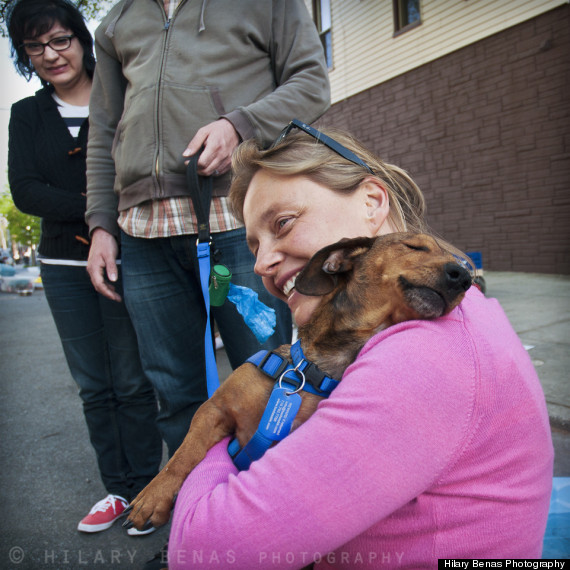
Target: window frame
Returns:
[400, 28]
[325, 35]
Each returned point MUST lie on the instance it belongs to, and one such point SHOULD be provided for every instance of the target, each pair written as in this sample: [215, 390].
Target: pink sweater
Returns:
[436, 444]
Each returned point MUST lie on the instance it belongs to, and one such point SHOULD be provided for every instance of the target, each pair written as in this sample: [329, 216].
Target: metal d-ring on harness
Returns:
[296, 370]
[284, 402]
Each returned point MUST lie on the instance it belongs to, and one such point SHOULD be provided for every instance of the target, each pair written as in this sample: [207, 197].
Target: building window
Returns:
[407, 14]
[322, 15]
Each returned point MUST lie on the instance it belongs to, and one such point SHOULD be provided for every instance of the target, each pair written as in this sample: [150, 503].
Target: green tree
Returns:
[24, 229]
[94, 9]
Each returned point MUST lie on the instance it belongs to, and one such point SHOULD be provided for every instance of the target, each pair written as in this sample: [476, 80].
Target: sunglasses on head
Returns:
[326, 140]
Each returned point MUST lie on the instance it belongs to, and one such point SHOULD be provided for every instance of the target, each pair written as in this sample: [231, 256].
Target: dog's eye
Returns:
[417, 247]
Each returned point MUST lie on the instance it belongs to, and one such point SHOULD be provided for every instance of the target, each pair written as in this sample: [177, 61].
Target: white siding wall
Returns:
[366, 52]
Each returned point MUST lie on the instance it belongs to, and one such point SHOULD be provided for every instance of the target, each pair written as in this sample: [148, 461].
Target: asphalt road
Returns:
[49, 478]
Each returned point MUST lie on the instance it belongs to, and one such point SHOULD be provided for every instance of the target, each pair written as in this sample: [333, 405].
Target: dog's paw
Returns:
[153, 505]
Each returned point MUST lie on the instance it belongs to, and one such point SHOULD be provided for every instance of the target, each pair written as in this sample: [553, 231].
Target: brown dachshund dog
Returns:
[366, 284]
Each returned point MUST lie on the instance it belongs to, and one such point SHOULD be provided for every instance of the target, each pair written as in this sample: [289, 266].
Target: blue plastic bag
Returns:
[257, 316]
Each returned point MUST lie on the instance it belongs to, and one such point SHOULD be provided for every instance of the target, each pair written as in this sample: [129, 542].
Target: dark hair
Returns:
[32, 18]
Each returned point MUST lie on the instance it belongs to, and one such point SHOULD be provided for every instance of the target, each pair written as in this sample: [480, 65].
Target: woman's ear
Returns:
[376, 204]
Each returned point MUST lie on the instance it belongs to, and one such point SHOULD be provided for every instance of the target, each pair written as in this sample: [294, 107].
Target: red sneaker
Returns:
[103, 514]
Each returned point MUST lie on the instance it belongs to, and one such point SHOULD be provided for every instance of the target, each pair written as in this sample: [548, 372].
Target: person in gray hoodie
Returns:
[174, 78]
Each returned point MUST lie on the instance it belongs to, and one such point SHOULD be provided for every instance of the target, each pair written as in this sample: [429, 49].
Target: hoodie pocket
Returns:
[134, 144]
[184, 109]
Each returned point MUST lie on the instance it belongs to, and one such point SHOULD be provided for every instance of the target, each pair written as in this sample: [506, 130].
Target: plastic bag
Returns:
[257, 316]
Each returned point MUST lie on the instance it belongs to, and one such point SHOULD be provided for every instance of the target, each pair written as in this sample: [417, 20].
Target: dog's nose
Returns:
[457, 277]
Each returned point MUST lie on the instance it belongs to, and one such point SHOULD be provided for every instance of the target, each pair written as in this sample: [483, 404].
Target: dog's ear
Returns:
[319, 276]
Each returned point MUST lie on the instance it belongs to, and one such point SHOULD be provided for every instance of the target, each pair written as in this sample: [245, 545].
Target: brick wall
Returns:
[485, 131]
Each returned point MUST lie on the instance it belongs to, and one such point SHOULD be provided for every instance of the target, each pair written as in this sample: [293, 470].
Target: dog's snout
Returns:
[457, 277]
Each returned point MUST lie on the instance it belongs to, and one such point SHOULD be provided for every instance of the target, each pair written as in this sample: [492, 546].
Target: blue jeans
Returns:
[119, 403]
[164, 298]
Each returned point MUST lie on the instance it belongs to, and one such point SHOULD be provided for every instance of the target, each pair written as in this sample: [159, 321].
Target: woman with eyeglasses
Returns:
[46, 170]
[436, 444]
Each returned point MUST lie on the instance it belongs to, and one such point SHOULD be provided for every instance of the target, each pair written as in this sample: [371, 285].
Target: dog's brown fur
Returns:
[366, 284]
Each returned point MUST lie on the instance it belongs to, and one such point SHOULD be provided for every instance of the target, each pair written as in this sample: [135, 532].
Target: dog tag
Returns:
[279, 414]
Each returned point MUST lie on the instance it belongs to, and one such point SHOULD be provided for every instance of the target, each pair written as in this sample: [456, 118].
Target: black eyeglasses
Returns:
[60, 43]
[327, 141]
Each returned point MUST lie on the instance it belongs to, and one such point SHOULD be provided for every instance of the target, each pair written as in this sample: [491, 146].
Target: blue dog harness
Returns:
[284, 402]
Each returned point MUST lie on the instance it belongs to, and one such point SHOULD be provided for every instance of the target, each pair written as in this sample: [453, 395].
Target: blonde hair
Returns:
[299, 154]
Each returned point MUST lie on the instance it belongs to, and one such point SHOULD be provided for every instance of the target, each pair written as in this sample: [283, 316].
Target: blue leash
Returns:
[212, 379]
[200, 188]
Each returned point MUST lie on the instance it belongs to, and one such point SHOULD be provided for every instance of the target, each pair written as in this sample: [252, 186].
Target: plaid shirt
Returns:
[174, 217]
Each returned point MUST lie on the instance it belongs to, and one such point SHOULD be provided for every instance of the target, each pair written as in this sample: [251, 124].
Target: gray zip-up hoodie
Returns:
[257, 63]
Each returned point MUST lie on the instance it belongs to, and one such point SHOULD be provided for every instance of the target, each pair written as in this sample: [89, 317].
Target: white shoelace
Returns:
[109, 500]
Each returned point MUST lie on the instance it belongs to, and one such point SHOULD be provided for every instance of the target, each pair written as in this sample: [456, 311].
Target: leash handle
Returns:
[200, 188]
